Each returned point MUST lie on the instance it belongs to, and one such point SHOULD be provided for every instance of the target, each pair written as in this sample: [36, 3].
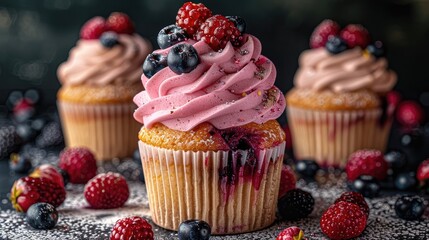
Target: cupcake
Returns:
[211, 147]
[338, 104]
[99, 81]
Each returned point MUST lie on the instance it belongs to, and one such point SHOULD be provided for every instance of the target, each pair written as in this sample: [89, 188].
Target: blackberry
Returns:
[51, 135]
[295, 204]
[9, 141]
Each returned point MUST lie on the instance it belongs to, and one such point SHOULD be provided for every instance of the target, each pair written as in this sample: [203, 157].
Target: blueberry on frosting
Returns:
[154, 63]
[182, 58]
[170, 35]
[109, 39]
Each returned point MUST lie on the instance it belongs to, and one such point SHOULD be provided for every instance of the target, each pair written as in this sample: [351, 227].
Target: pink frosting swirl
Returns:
[92, 63]
[227, 89]
[348, 71]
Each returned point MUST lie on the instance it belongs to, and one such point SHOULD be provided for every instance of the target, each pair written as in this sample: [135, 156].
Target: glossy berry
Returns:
[20, 163]
[194, 230]
[217, 31]
[368, 186]
[291, 233]
[25, 132]
[182, 58]
[412, 139]
[191, 15]
[120, 23]
[287, 180]
[343, 220]
[106, 191]
[295, 204]
[409, 207]
[93, 28]
[406, 181]
[109, 39]
[423, 171]
[322, 32]
[50, 135]
[396, 159]
[48, 171]
[336, 45]
[42, 216]
[355, 198]
[366, 162]
[355, 35]
[376, 49]
[9, 141]
[307, 168]
[239, 22]
[170, 35]
[133, 228]
[79, 163]
[410, 114]
[154, 63]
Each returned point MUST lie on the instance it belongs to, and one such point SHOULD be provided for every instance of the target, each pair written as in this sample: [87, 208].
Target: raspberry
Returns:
[356, 198]
[79, 163]
[393, 98]
[291, 233]
[48, 171]
[217, 31]
[355, 35]
[410, 114]
[132, 228]
[287, 180]
[107, 190]
[93, 28]
[191, 16]
[366, 162]
[119, 23]
[423, 171]
[343, 220]
[321, 33]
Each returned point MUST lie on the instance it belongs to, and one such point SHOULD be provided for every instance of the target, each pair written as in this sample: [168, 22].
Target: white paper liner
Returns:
[109, 130]
[184, 185]
[329, 137]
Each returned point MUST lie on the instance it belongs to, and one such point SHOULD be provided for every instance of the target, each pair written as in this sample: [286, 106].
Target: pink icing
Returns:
[348, 71]
[92, 63]
[227, 89]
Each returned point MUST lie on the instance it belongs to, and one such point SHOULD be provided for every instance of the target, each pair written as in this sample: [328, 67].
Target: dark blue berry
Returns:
[368, 186]
[239, 23]
[42, 216]
[154, 63]
[406, 181]
[109, 39]
[65, 175]
[38, 124]
[170, 35]
[182, 58]
[194, 230]
[295, 204]
[376, 49]
[396, 159]
[13, 98]
[411, 139]
[20, 163]
[336, 45]
[32, 95]
[307, 168]
[25, 132]
[137, 157]
[409, 207]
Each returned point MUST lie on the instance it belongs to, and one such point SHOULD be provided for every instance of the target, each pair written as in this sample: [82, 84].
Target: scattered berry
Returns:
[65, 175]
[412, 139]
[25, 132]
[307, 168]
[23, 110]
[343, 220]
[13, 98]
[191, 15]
[182, 58]
[170, 35]
[410, 114]
[423, 171]
[132, 228]
[393, 98]
[20, 163]
[50, 172]
[287, 180]
[291, 233]
[396, 159]
[366, 162]
[154, 63]
[137, 157]
[93, 28]
[406, 181]
[239, 23]
[79, 163]
[322, 32]
[367, 185]
[9, 141]
[107, 190]
[376, 49]
[194, 230]
[109, 39]
[120, 23]
[409, 207]
[355, 35]
[42, 216]
[51, 135]
[355, 198]
[296, 204]
[335, 45]
[217, 31]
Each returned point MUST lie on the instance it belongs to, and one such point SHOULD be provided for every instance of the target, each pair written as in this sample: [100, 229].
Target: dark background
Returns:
[36, 35]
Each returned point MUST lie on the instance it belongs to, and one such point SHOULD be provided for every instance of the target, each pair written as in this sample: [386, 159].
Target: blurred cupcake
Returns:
[339, 103]
[99, 81]
[210, 146]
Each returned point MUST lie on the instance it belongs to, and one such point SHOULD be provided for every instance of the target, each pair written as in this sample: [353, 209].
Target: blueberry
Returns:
[367, 185]
[396, 159]
[295, 204]
[411, 139]
[406, 181]
[20, 163]
[376, 49]
[25, 132]
[170, 35]
[65, 175]
[13, 98]
[38, 124]
[154, 63]
[136, 157]
[307, 168]
[182, 58]
[336, 45]
[32, 95]
[409, 207]
[42, 216]
[239, 23]
[109, 39]
[194, 230]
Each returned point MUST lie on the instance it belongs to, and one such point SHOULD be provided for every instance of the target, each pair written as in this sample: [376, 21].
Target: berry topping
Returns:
[194, 230]
[423, 171]
[335, 45]
[376, 49]
[120, 23]
[9, 141]
[367, 185]
[48, 171]
[154, 63]
[170, 35]
[20, 163]
[27, 191]
[79, 163]
[396, 160]
[191, 15]
[366, 162]
[410, 114]
[132, 228]
[109, 39]
[182, 58]
[287, 180]
[307, 168]
[291, 233]
[93, 28]
[356, 198]
[295, 204]
[322, 32]
[343, 220]
[406, 181]
[409, 207]
[238, 22]
[42, 216]
[107, 190]
[355, 35]
[217, 31]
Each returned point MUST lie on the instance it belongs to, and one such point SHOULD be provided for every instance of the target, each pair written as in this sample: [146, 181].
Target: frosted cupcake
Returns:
[211, 148]
[99, 81]
[338, 104]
